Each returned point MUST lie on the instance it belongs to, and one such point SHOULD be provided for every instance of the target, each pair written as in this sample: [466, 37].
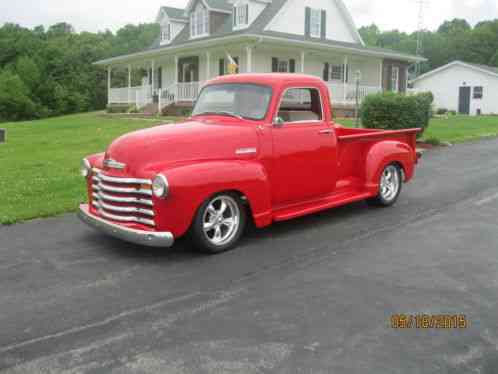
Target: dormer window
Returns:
[199, 23]
[166, 33]
[315, 23]
[241, 15]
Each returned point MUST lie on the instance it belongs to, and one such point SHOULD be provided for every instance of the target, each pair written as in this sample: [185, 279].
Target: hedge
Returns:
[391, 111]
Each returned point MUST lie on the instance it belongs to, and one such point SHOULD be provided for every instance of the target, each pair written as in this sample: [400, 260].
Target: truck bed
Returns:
[353, 144]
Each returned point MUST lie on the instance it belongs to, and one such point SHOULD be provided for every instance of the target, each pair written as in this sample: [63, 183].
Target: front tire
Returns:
[390, 185]
[219, 223]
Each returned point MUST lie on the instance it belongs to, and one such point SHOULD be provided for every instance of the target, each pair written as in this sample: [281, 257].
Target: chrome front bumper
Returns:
[146, 238]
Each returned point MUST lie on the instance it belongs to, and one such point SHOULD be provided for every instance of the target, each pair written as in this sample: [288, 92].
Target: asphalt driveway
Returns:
[310, 296]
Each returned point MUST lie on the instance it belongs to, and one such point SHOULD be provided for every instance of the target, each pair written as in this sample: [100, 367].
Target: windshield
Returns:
[239, 100]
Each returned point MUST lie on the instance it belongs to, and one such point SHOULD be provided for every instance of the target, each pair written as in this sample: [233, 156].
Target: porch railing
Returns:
[346, 93]
[179, 92]
[123, 95]
[143, 96]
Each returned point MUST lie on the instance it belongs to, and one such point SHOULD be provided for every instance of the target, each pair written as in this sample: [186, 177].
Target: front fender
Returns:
[192, 184]
[384, 153]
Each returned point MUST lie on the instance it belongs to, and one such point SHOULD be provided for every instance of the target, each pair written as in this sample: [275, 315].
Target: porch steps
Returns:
[181, 108]
[149, 109]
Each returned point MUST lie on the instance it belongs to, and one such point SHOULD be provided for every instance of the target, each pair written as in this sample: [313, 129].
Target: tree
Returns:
[28, 71]
[456, 26]
[15, 103]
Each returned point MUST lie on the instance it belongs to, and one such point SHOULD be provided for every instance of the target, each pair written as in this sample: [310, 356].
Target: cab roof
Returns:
[268, 79]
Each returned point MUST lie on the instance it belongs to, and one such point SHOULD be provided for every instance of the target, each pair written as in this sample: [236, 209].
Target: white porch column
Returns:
[176, 79]
[152, 65]
[381, 74]
[345, 68]
[176, 69]
[109, 84]
[129, 84]
[406, 79]
[249, 59]
[208, 65]
[302, 62]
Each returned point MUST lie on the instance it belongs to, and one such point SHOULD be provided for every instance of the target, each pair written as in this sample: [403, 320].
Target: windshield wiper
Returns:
[221, 113]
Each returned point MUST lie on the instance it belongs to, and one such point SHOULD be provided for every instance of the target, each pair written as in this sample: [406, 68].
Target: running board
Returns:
[332, 201]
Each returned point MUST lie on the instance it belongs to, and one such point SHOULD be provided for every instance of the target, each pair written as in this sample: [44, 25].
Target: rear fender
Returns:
[384, 153]
[191, 185]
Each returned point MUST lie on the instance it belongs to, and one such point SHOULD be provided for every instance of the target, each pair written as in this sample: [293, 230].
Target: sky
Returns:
[99, 15]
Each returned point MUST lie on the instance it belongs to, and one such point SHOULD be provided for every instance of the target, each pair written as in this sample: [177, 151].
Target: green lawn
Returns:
[39, 163]
[455, 129]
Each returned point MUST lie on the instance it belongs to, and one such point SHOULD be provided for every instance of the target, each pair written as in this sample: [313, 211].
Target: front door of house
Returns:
[188, 69]
[464, 100]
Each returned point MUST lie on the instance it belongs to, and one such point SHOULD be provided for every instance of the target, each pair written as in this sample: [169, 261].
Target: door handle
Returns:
[325, 132]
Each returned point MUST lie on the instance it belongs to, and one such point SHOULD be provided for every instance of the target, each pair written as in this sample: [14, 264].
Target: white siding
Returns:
[176, 28]
[446, 83]
[255, 9]
[291, 19]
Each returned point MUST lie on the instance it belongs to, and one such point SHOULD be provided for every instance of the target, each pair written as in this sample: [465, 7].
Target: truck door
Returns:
[304, 148]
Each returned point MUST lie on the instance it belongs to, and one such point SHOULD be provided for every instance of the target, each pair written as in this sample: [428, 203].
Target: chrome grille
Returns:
[123, 199]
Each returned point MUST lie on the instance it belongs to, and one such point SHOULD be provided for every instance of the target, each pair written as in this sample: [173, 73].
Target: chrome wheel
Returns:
[221, 220]
[390, 183]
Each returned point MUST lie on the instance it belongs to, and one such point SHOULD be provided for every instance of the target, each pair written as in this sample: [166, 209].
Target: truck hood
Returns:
[152, 150]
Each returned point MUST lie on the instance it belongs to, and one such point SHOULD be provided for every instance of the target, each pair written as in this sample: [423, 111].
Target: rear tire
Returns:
[219, 223]
[390, 185]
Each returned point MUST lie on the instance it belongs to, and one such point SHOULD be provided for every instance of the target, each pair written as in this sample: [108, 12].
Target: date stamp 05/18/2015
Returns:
[427, 321]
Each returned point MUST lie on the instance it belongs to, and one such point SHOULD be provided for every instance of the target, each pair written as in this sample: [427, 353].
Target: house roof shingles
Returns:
[174, 12]
[258, 28]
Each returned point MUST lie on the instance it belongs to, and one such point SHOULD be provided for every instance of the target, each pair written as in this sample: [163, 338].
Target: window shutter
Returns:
[150, 76]
[292, 66]
[324, 24]
[160, 77]
[234, 16]
[247, 14]
[222, 66]
[307, 22]
[326, 71]
[274, 65]
[346, 73]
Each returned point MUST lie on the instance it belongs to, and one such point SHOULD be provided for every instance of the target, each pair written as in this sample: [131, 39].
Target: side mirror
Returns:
[278, 121]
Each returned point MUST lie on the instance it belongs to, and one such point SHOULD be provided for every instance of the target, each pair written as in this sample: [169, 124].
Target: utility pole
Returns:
[420, 32]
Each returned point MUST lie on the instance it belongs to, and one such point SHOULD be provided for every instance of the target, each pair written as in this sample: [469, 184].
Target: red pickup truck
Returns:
[260, 147]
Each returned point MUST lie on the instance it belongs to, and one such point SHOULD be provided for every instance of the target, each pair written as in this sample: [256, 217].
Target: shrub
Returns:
[391, 111]
[442, 111]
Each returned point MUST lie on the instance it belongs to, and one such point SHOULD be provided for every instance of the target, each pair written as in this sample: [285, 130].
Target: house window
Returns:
[241, 15]
[283, 66]
[478, 92]
[166, 33]
[199, 23]
[315, 23]
[337, 73]
[395, 79]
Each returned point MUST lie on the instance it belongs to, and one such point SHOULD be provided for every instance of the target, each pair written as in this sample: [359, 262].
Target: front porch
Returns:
[171, 80]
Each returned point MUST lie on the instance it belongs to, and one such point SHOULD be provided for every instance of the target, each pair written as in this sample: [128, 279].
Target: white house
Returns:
[462, 87]
[316, 37]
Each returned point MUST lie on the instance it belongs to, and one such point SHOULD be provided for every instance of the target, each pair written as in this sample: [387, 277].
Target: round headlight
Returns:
[160, 186]
[85, 168]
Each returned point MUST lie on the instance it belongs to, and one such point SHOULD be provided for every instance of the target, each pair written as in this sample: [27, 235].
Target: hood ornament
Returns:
[112, 164]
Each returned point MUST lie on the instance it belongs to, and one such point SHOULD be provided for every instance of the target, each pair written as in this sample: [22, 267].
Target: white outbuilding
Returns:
[465, 88]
